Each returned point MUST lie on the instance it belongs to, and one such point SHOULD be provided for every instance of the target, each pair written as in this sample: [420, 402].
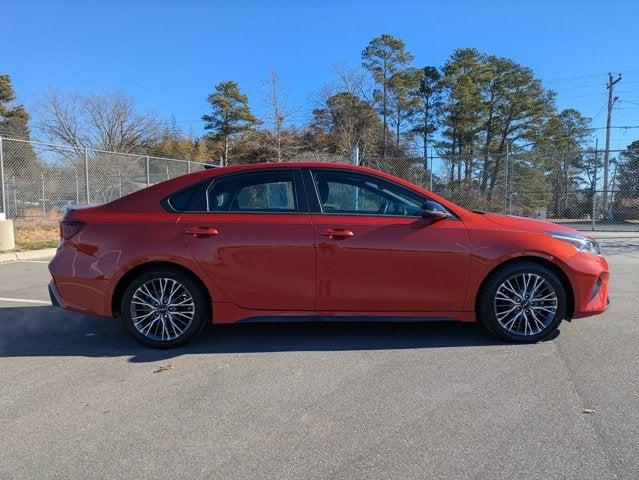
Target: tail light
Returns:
[69, 228]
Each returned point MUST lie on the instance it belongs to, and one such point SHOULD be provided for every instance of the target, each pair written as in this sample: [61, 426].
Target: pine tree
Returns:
[230, 114]
[383, 57]
[13, 120]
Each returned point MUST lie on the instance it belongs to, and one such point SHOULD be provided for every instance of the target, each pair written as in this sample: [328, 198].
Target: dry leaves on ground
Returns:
[164, 368]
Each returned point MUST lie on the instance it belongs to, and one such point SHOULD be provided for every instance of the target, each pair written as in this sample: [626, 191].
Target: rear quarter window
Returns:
[191, 199]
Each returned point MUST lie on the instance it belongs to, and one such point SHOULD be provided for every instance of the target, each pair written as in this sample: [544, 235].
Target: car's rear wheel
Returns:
[163, 308]
[523, 302]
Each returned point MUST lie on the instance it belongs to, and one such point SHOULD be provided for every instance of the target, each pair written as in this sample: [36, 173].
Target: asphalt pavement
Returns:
[79, 399]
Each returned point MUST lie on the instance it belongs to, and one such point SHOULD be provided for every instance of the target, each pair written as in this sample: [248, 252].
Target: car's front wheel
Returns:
[163, 308]
[523, 302]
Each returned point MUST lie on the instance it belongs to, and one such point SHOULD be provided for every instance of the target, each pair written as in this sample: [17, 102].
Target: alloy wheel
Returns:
[162, 309]
[525, 304]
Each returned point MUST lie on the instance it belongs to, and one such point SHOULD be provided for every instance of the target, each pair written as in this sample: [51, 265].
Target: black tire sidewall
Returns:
[486, 306]
[199, 300]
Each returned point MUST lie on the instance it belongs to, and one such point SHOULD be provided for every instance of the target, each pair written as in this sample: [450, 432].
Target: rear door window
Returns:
[266, 191]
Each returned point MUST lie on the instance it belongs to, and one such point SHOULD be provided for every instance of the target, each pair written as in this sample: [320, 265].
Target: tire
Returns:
[505, 310]
[164, 326]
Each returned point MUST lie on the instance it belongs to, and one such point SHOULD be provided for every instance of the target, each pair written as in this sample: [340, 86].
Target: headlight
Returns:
[583, 244]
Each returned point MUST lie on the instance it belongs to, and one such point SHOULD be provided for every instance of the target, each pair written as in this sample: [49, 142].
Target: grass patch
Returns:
[35, 238]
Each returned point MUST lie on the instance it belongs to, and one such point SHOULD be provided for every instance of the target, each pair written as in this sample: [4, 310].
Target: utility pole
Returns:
[594, 187]
[611, 102]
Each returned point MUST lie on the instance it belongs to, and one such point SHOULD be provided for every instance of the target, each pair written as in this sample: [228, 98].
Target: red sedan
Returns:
[321, 241]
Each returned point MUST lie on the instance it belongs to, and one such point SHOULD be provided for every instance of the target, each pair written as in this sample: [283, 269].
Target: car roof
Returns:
[269, 165]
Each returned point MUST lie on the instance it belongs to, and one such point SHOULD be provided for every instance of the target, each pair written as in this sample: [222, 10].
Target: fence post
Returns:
[355, 156]
[44, 206]
[188, 166]
[86, 172]
[15, 198]
[148, 173]
[506, 181]
[4, 200]
[77, 188]
[432, 158]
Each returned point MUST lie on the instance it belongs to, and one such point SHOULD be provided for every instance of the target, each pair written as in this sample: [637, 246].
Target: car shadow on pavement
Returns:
[49, 331]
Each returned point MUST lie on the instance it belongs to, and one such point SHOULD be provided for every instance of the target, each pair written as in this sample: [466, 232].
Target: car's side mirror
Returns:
[433, 211]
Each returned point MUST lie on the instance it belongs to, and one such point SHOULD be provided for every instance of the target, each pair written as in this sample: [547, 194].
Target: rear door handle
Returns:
[202, 231]
[337, 233]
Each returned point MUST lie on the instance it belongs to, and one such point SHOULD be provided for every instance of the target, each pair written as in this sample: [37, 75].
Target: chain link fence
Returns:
[562, 187]
[40, 180]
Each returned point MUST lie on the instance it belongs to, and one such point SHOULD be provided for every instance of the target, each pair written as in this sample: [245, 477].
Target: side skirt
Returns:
[342, 318]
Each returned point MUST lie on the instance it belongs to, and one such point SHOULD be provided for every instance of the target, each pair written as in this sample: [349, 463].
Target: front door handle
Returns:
[337, 233]
[202, 231]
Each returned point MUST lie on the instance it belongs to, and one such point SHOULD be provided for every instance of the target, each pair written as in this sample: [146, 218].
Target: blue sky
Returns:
[170, 54]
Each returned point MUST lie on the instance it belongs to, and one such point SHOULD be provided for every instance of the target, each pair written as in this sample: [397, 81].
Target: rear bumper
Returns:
[81, 282]
[52, 296]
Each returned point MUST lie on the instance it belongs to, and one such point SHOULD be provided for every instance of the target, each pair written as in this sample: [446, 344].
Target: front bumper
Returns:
[590, 278]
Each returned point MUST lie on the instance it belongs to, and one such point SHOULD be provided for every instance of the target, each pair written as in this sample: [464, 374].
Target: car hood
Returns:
[528, 224]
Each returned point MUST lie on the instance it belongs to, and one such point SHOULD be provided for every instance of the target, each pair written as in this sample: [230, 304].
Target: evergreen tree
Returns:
[429, 103]
[13, 119]
[629, 173]
[383, 57]
[344, 123]
[403, 103]
[230, 114]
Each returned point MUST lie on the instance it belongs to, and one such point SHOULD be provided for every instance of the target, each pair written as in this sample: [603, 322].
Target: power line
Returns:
[592, 75]
[578, 86]
[621, 127]
[599, 111]
[597, 94]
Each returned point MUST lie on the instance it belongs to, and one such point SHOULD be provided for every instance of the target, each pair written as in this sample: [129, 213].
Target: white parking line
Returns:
[24, 300]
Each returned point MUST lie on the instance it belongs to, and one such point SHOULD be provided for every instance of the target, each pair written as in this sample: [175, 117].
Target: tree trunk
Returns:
[498, 158]
[385, 119]
[489, 137]
[397, 129]
[226, 150]
[425, 133]
[278, 128]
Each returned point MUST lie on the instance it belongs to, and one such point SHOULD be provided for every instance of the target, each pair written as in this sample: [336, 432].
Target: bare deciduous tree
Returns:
[105, 121]
[280, 114]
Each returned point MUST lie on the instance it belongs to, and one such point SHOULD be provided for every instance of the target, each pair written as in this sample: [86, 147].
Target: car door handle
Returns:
[202, 231]
[337, 233]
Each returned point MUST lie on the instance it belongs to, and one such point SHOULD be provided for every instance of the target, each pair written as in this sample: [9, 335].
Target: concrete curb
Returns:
[44, 254]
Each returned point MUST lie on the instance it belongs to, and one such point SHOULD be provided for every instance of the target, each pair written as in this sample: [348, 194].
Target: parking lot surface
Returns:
[80, 399]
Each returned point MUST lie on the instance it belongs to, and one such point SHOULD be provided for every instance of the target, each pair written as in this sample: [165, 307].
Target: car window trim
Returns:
[203, 187]
[301, 206]
[316, 207]
[166, 201]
